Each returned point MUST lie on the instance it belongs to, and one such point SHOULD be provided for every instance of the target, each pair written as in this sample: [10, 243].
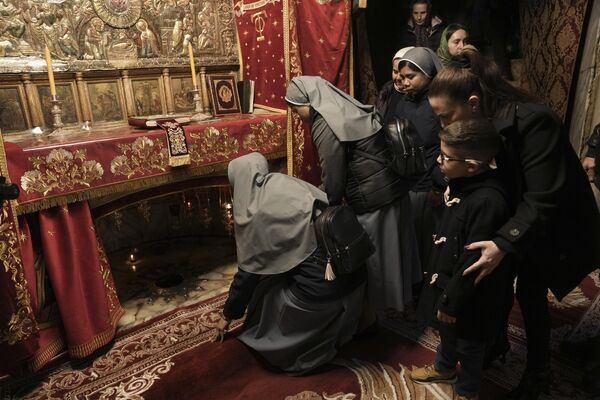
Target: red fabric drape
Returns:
[18, 330]
[319, 44]
[261, 27]
[80, 277]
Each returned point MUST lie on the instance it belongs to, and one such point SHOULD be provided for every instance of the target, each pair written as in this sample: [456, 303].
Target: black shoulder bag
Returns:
[344, 240]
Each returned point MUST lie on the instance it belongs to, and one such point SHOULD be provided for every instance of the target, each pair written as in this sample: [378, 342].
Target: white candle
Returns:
[192, 65]
[50, 71]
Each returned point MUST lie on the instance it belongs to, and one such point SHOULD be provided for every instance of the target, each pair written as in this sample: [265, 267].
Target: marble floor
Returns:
[158, 277]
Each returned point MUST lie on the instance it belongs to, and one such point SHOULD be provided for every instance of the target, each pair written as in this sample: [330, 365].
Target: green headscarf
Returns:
[443, 51]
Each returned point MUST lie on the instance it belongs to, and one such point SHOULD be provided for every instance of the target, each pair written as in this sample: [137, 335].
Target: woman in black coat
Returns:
[555, 228]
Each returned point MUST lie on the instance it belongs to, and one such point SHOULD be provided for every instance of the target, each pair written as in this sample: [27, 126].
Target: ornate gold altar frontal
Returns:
[112, 58]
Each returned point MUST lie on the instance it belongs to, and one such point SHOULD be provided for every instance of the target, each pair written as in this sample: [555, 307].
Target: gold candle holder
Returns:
[56, 112]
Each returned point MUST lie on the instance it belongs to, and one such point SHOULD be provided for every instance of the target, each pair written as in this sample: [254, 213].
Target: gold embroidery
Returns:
[142, 157]
[240, 8]
[213, 145]
[264, 137]
[21, 323]
[111, 292]
[298, 144]
[61, 170]
[145, 209]
[259, 24]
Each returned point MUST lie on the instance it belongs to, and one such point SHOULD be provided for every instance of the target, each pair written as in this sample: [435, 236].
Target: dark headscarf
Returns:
[349, 119]
[273, 216]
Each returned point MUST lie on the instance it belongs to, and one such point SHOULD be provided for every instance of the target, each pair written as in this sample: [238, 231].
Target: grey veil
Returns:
[425, 59]
[349, 119]
[273, 216]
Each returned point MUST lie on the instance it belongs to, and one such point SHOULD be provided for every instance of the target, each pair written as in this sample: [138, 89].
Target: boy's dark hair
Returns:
[473, 138]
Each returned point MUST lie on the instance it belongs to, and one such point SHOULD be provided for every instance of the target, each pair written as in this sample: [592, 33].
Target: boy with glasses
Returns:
[465, 314]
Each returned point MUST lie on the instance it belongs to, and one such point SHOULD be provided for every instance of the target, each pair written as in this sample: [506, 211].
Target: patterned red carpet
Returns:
[172, 358]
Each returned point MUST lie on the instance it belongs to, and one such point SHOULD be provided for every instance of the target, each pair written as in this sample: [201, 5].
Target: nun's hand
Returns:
[589, 164]
[443, 317]
[221, 328]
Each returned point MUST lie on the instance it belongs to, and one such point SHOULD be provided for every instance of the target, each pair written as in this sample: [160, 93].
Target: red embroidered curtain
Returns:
[281, 39]
[319, 43]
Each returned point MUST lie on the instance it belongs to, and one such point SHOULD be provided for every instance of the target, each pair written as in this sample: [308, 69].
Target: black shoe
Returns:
[532, 385]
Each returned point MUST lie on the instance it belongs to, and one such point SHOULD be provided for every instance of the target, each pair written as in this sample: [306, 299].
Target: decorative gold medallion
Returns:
[118, 13]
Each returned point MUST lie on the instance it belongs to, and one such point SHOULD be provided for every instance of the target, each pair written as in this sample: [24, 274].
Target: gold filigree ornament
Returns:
[264, 137]
[118, 13]
[21, 324]
[60, 171]
[213, 145]
[143, 156]
[240, 8]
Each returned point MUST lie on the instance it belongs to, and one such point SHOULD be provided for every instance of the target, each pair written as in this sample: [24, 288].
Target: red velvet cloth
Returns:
[56, 168]
[319, 44]
[261, 33]
[19, 332]
[50, 168]
[80, 277]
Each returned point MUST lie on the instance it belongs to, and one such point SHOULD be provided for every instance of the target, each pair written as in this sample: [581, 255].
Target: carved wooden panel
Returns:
[85, 35]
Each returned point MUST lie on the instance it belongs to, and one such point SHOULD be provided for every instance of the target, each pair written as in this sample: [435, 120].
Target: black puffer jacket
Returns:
[366, 184]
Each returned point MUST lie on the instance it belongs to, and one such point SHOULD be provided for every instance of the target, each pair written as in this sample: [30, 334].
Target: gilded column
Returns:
[168, 90]
[35, 117]
[128, 90]
[204, 91]
[84, 97]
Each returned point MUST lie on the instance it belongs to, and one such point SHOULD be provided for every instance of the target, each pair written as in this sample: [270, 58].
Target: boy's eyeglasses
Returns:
[446, 158]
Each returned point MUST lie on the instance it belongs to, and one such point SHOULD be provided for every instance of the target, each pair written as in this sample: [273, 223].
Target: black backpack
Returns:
[344, 240]
[408, 155]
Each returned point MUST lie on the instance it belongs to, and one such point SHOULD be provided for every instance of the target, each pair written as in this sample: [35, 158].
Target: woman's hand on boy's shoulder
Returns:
[491, 256]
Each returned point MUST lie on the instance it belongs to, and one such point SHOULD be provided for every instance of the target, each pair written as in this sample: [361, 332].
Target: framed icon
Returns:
[224, 94]
[148, 96]
[106, 100]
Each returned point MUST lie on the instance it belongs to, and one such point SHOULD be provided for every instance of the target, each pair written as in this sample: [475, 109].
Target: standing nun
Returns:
[296, 318]
[347, 134]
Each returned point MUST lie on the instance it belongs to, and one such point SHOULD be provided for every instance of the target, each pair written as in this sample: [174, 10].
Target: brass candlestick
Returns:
[56, 112]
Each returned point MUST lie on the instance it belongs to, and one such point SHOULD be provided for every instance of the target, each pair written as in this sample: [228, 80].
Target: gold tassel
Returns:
[329, 275]
[178, 161]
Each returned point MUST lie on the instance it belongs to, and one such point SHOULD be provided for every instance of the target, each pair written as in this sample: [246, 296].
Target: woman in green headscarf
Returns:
[454, 38]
